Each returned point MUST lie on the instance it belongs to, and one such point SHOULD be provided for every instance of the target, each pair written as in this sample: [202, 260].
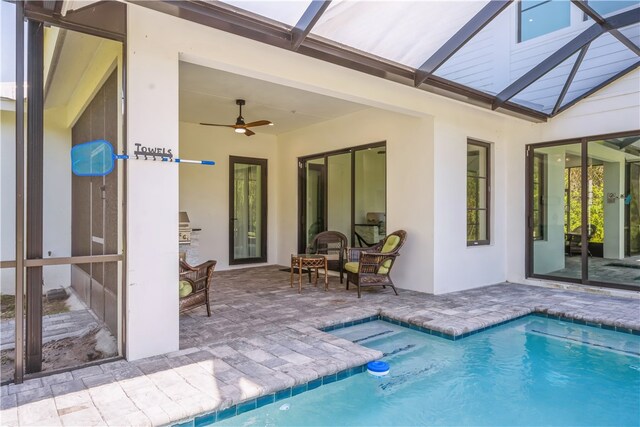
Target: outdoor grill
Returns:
[184, 229]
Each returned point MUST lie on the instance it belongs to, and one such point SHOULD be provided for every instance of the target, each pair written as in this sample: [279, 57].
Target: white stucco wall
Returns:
[458, 266]
[7, 196]
[56, 202]
[204, 191]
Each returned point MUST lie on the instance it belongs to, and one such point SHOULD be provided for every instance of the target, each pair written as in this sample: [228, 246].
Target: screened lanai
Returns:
[531, 58]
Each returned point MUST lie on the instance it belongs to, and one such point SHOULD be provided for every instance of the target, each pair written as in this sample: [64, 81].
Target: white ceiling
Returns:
[76, 52]
[208, 96]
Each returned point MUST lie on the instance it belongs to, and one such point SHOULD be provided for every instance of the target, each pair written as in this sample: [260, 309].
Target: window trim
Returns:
[487, 180]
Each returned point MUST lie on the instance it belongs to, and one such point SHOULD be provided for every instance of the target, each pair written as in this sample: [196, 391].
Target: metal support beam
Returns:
[597, 88]
[307, 21]
[35, 160]
[591, 13]
[459, 39]
[103, 19]
[572, 74]
[620, 20]
[19, 311]
[220, 16]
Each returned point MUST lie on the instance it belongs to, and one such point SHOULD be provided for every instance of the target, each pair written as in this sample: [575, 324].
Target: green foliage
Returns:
[595, 197]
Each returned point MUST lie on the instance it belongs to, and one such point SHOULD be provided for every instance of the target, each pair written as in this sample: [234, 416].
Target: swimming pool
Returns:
[532, 371]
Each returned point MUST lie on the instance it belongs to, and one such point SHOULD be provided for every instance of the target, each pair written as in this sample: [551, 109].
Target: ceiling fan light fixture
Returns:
[241, 126]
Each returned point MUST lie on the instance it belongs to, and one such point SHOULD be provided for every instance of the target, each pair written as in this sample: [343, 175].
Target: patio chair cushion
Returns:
[390, 244]
[353, 267]
[185, 288]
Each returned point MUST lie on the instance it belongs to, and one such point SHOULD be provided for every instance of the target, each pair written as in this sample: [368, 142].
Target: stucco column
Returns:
[152, 192]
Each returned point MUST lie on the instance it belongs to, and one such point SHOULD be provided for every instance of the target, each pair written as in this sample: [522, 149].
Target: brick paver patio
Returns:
[263, 336]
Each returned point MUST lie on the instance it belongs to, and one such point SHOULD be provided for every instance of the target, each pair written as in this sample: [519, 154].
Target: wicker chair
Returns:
[372, 266]
[333, 244]
[573, 240]
[200, 278]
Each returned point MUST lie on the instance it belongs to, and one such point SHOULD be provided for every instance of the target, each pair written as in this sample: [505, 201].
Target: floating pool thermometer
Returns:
[96, 158]
[378, 368]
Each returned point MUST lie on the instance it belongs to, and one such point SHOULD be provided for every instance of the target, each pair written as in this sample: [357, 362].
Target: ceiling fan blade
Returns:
[258, 123]
[249, 132]
[214, 124]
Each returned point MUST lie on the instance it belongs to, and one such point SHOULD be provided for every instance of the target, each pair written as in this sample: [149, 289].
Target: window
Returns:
[609, 6]
[539, 195]
[538, 18]
[478, 193]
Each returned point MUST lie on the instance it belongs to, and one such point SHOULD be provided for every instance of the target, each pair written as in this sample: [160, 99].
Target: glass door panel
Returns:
[315, 190]
[370, 196]
[612, 200]
[339, 193]
[633, 180]
[248, 213]
[556, 211]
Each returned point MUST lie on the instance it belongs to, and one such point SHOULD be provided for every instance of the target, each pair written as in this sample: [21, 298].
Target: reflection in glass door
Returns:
[339, 193]
[632, 213]
[556, 211]
[315, 201]
[370, 191]
[247, 210]
[613, 196]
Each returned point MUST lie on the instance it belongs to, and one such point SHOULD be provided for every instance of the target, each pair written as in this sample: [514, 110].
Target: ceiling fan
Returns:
[241, 126]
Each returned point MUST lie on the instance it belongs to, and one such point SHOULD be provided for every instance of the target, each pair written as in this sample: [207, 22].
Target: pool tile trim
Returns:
[452, 337]
[258, 402]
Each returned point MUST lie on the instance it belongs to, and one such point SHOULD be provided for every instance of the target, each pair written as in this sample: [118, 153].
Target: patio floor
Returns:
[263, 337]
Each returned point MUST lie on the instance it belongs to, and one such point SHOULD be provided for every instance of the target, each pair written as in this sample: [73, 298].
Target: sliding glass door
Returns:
[584, 211]
[344, 191]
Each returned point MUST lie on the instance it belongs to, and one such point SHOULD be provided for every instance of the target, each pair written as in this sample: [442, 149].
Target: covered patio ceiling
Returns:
[437, 46]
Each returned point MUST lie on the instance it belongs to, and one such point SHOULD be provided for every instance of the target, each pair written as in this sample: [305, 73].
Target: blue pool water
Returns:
[532, 371]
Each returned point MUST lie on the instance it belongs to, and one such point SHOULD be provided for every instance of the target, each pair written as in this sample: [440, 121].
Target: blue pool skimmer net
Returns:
[97, 158]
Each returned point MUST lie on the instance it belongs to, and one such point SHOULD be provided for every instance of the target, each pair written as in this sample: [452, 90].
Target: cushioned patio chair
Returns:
[372, 266]
[332, 244]
[199, 278]
[573, 240]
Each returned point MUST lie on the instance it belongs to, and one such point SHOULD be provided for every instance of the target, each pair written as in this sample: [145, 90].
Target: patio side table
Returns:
[311, 261]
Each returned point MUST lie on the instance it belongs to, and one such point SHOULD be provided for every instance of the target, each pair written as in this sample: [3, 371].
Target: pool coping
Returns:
[454, 337]
[258, 402]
